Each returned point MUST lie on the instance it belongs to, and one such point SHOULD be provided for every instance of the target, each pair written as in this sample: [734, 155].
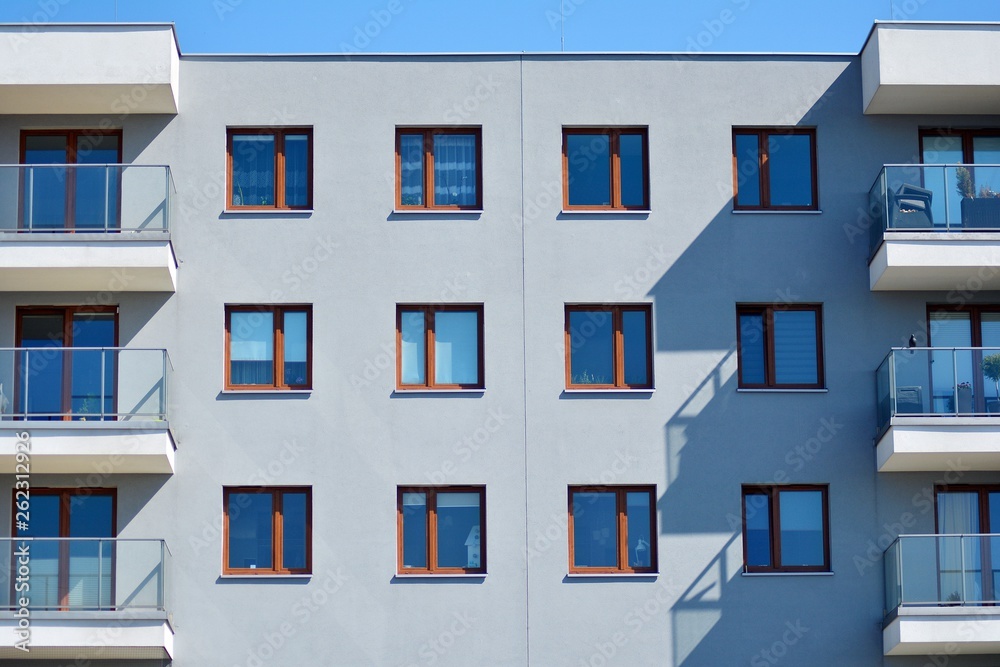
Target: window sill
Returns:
[439, 576]
[605, 211]
[613, 575]
[267, 211]
[275, 392]
[265, 576]
[787, 574]
[782, 391]
[437, 211]
[765, 211]
[434, 392]
[609, 391]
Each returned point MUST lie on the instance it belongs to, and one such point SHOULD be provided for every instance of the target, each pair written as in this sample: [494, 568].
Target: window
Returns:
[967, 559]
[267, 530]
[69, 573]
[268, 347]
[609, 347]
[269, 168]
[66, 364]
[439, 168]
[612, 529]
[77, 183]
[441, 530]
[774, 169]
[946, 146]
[605, 168]
[786, 529]
[780, 346]
[439, 347]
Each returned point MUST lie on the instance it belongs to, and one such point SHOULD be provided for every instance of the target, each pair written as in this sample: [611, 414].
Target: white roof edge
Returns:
[526, 54]
[101, 24]
[888, 22]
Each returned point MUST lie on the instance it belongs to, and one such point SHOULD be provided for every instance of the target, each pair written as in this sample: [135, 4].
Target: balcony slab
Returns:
[73, 635]
[929, 444]
[936, 261]
[943, 631]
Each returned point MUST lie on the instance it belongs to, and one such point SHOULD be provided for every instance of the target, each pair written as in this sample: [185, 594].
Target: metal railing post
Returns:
[961, 546]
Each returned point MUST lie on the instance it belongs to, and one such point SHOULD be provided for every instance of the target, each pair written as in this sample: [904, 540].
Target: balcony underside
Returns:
[69, 635]
[86, 263]
[926, 68]
[86, 447]
[936, 261]
[928, 444]
[943, 630]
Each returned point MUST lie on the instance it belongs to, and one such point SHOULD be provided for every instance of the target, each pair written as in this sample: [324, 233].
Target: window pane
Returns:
[942, 150]
[96, 192]
[89, 398]
[752, 346]
[595, 529]
[253, 170]
[801, 517]
[458, 530]
[636, 342]
[748, 170]
[986, 150]
[294, 508]
[456, 347]
[640, 549]
[411, 169]
[757, 510]
[454, 170]
[415, 530]
[45, 189]
[589, 169]
[633, 169]
[795, 353]
[296, 170]
[413, 347]
[295, 344]
[250, 530]
[251, 348]
[44, 514]
[591, 335]
[790, 169]
[40, 372]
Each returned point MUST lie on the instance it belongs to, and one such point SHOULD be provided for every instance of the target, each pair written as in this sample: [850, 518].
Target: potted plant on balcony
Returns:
[980, 208]
[991, 369]
[964, 395]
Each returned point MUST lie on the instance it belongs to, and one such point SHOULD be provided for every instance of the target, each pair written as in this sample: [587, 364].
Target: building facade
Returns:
[499, 359]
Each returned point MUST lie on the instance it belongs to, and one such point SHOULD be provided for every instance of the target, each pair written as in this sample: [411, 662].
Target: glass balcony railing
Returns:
[934, 381]
[84, 573]
[83, 383]
[94, 198]
[942, 570]
[934, 198]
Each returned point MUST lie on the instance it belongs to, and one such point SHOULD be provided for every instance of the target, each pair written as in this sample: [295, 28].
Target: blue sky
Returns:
[325, 26]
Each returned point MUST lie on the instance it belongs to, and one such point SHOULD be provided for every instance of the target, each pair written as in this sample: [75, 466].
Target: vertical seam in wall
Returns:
[524, 376]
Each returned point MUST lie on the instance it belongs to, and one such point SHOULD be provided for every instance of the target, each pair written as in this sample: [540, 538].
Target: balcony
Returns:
[938, 407]
[108, 69]
[935, 227]
[93, 228]
[939, 597]
[86, 410]
[931, 68]
[88, 598]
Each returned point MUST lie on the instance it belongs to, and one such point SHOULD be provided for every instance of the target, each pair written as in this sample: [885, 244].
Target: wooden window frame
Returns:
[618, 344]
[614, 148]
[773, 492]
[975, 312]
[429, 310]
[767, 310]
[279, 134]
[763, 168]
[278, 312]
[65, 495]
[72, 136]
[966, 134]
[429, 133]
[621, 499]
[432, 550]
[67, 313]
[982, 490]
[277, 528]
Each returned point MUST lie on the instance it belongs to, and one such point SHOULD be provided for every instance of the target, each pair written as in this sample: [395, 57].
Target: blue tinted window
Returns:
[458, 530]
[801, 517]
[774, 168]
[253, 170]
[633, 170]
[595, 529]
[591, 341]
[748, 169]
[588, 169]
[250, 530]
[639, 522]
[411, 169]
[752, 359]
[294, 521]
[795, 351]
[757, 511]
[635, 338]
[790, 169]
[415, 530]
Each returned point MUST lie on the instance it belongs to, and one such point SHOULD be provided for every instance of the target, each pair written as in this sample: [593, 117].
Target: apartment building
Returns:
[499, 359]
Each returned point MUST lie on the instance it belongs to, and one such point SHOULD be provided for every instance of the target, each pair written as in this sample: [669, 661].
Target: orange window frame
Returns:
[428, 134]
[614, 147]
[429, 311]
[278, 320]
[277, 529]
[621, 498]
[773, 493]
[279, 134]
[431, 493]
[763, 173]
[618, 344]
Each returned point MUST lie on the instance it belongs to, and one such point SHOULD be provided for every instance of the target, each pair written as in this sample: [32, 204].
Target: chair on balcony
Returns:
[911, 208]
[909, 400]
